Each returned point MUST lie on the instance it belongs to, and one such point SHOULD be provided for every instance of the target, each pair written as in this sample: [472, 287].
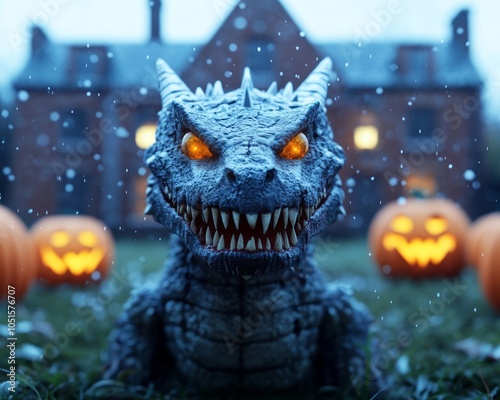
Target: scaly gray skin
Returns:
[241, 307]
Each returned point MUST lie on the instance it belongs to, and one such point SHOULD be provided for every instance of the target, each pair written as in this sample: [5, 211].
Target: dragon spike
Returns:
[288, 91]
[209, 90]
[247, 87]
[315, 86]
[171, 86]
[199, 93]
[247, 79]
[218, 90]
[273, 89]
[247, 101]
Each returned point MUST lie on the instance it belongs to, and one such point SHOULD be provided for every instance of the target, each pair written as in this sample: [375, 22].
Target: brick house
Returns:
[408, 116]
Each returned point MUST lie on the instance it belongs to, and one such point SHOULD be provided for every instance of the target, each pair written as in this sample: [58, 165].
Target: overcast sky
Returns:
[92, 21]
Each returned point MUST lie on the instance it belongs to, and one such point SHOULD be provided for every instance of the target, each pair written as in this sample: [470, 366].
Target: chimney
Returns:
[39, 41]
[155, 6]
[460, 34]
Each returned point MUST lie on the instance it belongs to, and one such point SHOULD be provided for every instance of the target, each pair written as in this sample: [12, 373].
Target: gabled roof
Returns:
[385, 65]
[259, 34]
[63, 66]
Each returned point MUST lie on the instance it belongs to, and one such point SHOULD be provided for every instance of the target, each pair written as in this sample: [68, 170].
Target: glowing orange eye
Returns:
[436, 225]
[402, 224]
[296, 148]
[194, 148]
[60, 239]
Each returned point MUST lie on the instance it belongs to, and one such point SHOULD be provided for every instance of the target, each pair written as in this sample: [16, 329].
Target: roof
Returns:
[396, 65]
[370, 65]
[64, 66]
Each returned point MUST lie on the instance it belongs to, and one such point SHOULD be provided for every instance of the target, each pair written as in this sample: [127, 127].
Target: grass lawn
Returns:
[418, 329]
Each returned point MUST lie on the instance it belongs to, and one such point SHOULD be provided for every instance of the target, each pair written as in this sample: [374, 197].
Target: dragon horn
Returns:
[171, 86]
[247, 87]
[315, 85]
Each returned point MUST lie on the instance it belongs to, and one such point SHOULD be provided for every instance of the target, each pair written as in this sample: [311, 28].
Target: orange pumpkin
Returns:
[489, 268]
[17, 255]
[482, 228]
[72, 249]
[419, 238]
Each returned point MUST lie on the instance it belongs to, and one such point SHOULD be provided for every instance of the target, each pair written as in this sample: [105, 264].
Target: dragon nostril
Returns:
[231, 177]
[270, 174]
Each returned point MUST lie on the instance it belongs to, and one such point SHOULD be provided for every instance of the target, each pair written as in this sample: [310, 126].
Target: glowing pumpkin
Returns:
[489, 267]
[482, 228]
[419, 238]
[17, 255]
[72, 249]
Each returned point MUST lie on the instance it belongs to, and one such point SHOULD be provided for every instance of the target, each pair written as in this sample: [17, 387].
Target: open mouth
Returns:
[230, 230]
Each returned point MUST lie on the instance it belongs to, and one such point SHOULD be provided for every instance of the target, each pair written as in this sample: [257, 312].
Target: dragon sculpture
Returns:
[244, 180]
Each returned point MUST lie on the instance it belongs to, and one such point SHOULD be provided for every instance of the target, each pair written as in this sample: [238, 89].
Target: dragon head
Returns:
[245, 178]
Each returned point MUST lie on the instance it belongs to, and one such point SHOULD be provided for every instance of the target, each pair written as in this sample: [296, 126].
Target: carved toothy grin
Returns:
[230, 230]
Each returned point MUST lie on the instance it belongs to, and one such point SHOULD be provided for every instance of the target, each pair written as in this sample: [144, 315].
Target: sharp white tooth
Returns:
[186, 217]
[194, 212]
[307, 210]
[192, 226]
[324, 192]
[240, 245]
[252, 220]
[232, 246]
[293, 237]
[266, 219]
[221, 245]
[298, 227]
[225, 218]
[208, 237]
[276, 217]
[216, 238]
[206, 214]
[246, 277]
[251, 245]
[259, 245]
[292, 216]
[200, 233]
[278, 243]
[169, 196]
[268, 244]
[236, 218]
[284, 213]
[215, 216]
[181, 209]
[188, 210]
[286, 242]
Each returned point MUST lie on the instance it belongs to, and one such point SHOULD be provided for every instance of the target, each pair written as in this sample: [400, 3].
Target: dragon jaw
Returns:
[244, 209]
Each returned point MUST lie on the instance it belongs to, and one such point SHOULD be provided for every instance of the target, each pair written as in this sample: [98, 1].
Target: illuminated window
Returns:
[366, 137]
[145, 135]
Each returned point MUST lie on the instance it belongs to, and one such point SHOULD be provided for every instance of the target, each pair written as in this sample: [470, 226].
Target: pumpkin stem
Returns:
[418, 193]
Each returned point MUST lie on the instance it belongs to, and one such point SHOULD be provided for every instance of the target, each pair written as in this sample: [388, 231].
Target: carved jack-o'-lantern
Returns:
[419, 238]
[480, 231]
[17, 255]
[72, 249]
[488, 265]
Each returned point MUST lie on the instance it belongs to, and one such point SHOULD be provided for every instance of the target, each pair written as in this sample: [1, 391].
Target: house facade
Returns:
[408, 116]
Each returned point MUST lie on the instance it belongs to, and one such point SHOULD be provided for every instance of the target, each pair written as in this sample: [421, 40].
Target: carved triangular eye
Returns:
[194, 148]
[295, 148]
